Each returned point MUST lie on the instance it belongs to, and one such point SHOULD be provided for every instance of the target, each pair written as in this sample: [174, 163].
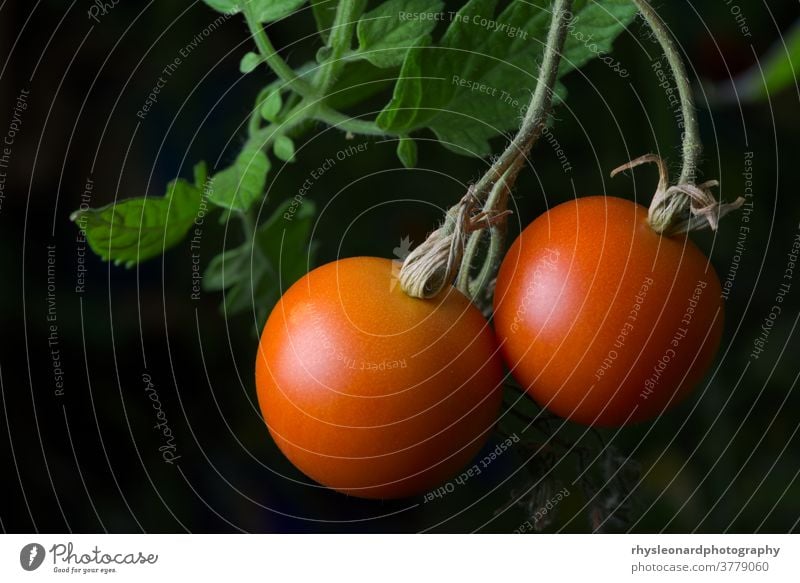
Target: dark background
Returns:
[726, 460]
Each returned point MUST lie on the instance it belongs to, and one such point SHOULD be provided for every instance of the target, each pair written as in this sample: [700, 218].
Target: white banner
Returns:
[389, 558]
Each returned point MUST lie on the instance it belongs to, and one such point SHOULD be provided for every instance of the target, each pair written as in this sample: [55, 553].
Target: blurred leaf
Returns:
[357, 82]
[324, 14]
[284, 148]
[249, 63]
[257, 272]
[496, 68]
[226, 269]
[271, 106]
[270, 10]
[226, 6]
[284, 242]
[780, 69]
[241, 184]
[133, 230]
[386, 33]
[407, 152]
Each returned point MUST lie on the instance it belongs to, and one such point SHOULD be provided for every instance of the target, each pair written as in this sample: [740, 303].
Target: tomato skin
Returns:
[371, 392]
[602, 320]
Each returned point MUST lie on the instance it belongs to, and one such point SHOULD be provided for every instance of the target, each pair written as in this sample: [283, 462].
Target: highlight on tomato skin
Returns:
[602, 320]
[371, 392]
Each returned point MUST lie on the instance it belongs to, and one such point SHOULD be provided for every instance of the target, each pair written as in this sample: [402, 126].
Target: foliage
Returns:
[431, 84]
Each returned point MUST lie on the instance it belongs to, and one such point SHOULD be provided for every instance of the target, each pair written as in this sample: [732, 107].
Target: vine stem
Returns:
[350, 124]
[541, 101]
[271, 56]
[433, 265]
[685, 206]
[341, 36]
[692, 144]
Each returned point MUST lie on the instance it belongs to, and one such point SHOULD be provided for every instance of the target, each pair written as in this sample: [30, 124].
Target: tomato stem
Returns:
[449, 251]
[339, 41]
[685, 206]
[502, 175]
[692, 145]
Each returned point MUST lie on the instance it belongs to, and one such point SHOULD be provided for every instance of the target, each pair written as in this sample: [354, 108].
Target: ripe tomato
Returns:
[371, 392]
[602, 320]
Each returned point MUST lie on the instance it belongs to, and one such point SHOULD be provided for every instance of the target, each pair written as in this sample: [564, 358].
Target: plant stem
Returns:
[350, 124]
[497, 182]
[692, 146]
[344, 23]
[271, 56]
[539, 107]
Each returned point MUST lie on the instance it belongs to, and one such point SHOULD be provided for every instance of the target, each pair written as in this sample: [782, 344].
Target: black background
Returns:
[726, 460]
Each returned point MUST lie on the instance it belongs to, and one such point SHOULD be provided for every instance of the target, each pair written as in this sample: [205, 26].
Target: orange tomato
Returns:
[602, 320]
[371, 392]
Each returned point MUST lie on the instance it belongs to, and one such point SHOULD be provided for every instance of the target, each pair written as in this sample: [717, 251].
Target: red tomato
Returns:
[602, 320]
[371, 392]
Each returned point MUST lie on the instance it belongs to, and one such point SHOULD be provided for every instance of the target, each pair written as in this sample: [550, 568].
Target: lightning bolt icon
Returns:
[34, 552]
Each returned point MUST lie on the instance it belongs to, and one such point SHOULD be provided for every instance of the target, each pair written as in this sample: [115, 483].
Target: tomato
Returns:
[602, 320]
[371, 392]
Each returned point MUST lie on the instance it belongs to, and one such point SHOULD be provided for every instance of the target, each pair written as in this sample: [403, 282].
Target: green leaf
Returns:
[407, 152]
[200, 173]
[226, 6]
[284, 148]
[249, 63]
[240, 185]
[271, 10]
[358, 81]
[323, 54]
[475, 83]
[133, 230]
[283, 240]
[386, 33]
[226, 269]
[256, 273]
[271, 106]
